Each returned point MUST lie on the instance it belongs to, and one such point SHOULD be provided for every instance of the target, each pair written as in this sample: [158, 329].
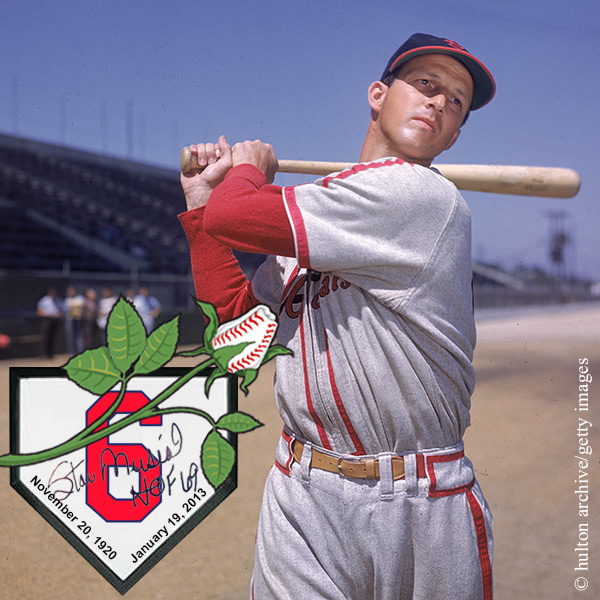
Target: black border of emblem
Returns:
[121, 585]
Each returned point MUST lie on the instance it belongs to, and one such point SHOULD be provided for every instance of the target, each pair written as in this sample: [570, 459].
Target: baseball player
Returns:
[369, 270]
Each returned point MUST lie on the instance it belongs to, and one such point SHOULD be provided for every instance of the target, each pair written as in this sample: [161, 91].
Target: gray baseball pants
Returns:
[323, 536]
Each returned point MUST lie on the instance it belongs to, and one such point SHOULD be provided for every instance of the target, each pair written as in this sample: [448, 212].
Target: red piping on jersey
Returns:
[484, 555]
[362, 167]
[311, 408]
[435, 493]
[282, 468]
[340, 405]
[300, 237]
[421, 469]
[286, 469]
[289, 283]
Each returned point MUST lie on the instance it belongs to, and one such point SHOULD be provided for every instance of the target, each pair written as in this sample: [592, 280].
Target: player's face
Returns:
[420, 114]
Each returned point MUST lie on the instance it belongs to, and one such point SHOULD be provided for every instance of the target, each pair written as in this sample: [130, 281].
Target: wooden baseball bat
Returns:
[550, 182]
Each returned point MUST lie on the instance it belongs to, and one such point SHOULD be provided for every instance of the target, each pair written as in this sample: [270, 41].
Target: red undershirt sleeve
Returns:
[218, 278]
[242, 213]
[245, 214]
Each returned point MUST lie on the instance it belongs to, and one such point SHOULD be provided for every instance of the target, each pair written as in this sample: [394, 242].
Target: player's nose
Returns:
[437, 101]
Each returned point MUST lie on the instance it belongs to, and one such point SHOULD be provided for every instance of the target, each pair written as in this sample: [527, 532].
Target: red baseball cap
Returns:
[484, 86]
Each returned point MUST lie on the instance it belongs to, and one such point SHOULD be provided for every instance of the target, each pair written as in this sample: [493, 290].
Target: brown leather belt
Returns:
[360, 468]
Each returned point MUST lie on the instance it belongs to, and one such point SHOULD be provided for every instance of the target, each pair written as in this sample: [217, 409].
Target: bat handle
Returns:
[188, 161]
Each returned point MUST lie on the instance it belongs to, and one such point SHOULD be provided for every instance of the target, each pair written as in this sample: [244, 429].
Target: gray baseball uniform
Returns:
[377, 307]
[378, 313]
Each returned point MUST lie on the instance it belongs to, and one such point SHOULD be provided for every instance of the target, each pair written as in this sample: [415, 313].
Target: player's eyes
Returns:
[427, 83]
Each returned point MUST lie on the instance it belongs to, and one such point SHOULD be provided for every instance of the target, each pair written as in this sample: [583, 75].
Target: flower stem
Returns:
[186, 409]
[97, 431]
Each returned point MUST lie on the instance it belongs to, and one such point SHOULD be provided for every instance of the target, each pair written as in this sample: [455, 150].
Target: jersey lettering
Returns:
[292, 303]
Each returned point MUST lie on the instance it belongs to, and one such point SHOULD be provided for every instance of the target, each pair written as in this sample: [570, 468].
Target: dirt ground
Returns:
[523, 442]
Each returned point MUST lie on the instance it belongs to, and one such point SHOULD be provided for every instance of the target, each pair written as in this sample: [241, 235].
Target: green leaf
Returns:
[93, 370]
[275, 351]
[210, 313]
[218, 458]
[249, 376]
[160, 347]
[223, 355]
[218, 372]
[126, 335]
[238, 422]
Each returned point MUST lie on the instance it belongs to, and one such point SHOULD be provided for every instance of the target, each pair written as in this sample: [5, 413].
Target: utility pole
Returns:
[15, 104]
[129, 129]
[560, 249]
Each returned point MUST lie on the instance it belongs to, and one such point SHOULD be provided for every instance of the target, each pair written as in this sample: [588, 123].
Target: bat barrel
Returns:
[550, 182]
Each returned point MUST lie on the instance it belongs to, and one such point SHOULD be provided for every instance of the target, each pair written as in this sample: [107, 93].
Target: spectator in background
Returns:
[130, 295]
[105, 304]
[73, 305]
[49, 310]
[148, 307]
[90, 314]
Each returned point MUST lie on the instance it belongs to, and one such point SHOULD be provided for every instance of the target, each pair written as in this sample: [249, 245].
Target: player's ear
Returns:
[376, 94]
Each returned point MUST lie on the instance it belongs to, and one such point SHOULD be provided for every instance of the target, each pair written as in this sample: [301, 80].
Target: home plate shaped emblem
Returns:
[124, 500]
[125, 456]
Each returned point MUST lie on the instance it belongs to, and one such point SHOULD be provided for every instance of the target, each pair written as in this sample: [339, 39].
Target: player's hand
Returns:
[198, 185]
[256, 153]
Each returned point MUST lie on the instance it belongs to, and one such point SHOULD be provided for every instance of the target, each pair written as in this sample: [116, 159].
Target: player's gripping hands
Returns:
[256, 153]
[217, 159]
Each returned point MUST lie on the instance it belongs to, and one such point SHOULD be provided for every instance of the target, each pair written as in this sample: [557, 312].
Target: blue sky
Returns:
[295, 73]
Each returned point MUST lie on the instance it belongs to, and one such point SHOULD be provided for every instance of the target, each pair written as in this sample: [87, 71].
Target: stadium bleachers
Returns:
[96, 213]
[26, 244]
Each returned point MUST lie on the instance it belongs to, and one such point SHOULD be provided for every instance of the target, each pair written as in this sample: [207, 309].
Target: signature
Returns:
[68, 478]
[65, 479]
[189, 481]
[144, 464]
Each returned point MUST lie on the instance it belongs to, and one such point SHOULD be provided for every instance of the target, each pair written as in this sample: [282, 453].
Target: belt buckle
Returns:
[358, 461]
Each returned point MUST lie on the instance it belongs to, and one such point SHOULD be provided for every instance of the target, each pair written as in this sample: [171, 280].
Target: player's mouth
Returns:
[428, 124]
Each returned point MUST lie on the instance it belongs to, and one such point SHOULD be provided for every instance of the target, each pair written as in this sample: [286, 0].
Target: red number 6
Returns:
[102, 456]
